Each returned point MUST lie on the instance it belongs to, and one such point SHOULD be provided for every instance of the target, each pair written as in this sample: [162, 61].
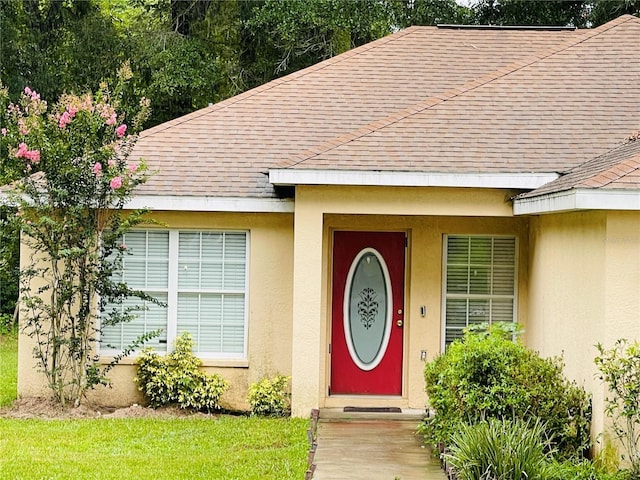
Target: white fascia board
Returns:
[211, 204]
[578, 199]
[525, 181]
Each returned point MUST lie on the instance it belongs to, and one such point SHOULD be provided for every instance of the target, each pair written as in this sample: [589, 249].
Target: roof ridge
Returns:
[439, 98]
[282, 80]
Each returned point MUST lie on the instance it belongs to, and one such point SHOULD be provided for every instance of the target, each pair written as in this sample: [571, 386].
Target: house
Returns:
[344, 223]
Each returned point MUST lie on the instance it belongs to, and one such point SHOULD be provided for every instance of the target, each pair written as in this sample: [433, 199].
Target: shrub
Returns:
[177, 379]
[620, 370]
[583, 470]
[489, 376]
[7, 325]
[270, 397]
[499, 450]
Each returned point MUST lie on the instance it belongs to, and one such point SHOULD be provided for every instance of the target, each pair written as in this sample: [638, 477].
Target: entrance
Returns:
[367, 313]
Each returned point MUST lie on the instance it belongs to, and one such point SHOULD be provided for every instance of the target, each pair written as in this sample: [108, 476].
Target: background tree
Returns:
[529, 12]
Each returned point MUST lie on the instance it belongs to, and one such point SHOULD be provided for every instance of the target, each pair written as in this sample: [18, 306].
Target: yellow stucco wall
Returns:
[426, 214]
[584, 289]
[269, 326]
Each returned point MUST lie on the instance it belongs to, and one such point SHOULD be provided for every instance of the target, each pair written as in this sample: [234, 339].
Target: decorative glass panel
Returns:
[367, 309]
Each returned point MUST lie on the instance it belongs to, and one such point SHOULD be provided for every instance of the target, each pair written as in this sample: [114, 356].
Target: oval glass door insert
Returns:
[367, 309]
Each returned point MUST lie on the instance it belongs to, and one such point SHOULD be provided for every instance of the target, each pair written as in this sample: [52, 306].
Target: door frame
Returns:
[339, 400]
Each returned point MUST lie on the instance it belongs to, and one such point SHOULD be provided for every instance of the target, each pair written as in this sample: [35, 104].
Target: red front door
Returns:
[367, 313]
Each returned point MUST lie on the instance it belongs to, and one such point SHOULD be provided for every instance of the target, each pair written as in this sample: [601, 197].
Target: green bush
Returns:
[177, 379]
[515, 450]
[499, 450]
[620, 370]
[7, 325]
[270, 397]
[584, 470]
[490, 376]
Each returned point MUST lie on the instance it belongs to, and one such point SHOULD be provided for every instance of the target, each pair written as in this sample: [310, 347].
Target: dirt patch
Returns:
[37, 407]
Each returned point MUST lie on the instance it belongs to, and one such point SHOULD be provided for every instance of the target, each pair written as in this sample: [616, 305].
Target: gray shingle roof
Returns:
[617, 169]
[423, 99]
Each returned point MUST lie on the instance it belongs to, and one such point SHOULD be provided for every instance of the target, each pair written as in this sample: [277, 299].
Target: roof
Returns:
[616, 169]
[442, 105]
[611, 179]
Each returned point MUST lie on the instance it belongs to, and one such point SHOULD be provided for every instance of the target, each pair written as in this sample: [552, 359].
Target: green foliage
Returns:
[490, 376]
[620, 370]
[499, 450]
[74, 178]
[191, 447]
[532, 12]
[270, 397]
[582, 470]
[8, 367]
[177, 378]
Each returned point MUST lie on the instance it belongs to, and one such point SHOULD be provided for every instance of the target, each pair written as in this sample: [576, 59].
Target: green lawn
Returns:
[8, 368]
[225, 447]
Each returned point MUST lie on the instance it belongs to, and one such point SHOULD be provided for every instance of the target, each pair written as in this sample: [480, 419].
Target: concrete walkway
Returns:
[366, 449]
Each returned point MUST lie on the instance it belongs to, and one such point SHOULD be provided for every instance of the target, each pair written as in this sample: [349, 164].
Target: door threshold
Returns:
[373, 413]
[372, 410]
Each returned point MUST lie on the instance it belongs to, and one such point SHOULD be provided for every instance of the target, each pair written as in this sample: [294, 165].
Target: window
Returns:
[202, 276]
[479, 282]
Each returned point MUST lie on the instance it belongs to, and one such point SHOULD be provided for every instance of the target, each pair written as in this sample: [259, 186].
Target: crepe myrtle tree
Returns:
[74, 176]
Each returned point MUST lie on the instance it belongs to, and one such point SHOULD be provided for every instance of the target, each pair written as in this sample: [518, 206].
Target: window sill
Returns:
[206, 362]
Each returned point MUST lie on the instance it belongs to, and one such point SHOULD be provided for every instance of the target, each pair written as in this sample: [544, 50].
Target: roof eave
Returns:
[578, 199]
[211, 204]
[385, 178]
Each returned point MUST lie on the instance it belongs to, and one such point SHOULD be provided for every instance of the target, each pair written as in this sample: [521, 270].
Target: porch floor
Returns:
[372, 448]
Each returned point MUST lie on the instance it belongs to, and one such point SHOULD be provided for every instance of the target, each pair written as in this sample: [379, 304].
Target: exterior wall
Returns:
[426, 214]
[584, 289]
[270, 317]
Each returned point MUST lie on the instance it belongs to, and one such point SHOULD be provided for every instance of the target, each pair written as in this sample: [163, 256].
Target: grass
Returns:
[225, 447]
[8, 367]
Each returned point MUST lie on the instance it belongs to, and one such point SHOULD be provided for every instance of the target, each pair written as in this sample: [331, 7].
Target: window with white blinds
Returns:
[204, 283]
[479, 282]
[146, 269]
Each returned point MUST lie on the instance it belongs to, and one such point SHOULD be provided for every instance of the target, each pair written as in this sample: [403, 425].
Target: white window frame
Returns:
[445, 295]
[173, 291]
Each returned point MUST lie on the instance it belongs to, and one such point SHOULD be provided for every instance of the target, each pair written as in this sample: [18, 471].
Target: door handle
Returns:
[399, 323]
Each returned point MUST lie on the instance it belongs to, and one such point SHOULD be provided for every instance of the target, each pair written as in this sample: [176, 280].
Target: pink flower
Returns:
[4, 132]
[65, 119]
[123, 246]
[33, 155]
[31, 93]
[115, 183]
[22, 150]
[112, 119]
[112, 163]
[120, 130]
[133, 168]
[97, 169]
